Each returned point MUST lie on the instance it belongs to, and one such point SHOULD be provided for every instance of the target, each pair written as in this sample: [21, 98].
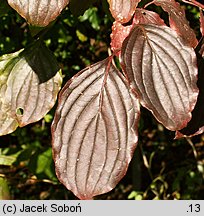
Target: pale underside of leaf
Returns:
[196, 124]
[94, 130]
[39, 12]
[24, 96]
[178, 21]
[122, 10]
[120, 31]
[7, 123]
[163, 72]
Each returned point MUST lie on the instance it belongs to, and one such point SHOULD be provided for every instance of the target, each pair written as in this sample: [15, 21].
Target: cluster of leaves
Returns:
[22, 160]
[94, 132]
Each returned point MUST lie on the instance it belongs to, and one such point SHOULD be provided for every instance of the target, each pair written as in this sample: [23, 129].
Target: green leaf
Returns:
[78, 7]
[81, 36]
[4, 189]
[41, 164]
[92, 16]
[48, 118]
[30, 80]
[25, 154]
[7, 160]
[132, 195]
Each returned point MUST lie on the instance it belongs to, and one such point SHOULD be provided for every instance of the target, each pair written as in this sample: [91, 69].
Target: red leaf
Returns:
[39, 12]
[118, 35]
[120, 32]
[143, 16]
[94, 133]
[123, 10]
[178, 21]
[163, 72]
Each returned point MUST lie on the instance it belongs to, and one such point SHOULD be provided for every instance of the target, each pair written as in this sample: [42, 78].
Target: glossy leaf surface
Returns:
[163, 72]
[94, 130]
[178, 21]
[122, 10]
[39, 12]
[29, 84]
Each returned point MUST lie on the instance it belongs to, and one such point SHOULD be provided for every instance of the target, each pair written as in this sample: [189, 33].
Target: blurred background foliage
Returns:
[162, 168]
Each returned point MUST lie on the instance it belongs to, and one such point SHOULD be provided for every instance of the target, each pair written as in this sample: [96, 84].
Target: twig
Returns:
[194, 3]
[152, 2]
[191, 2]
[193, 147]
[147, 165]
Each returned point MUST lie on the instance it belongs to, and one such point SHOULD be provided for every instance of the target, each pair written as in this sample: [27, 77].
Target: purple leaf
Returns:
[196, 124]
[178, 21]
[123, 10]
[94, 130]
[29, 84]
[39, 12]
[120, 32]
[163, 72]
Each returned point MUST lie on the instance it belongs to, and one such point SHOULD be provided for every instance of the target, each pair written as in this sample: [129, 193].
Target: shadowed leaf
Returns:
[29, 83]
[94, 130]
[39, 12]
[178, 21]
[122, 10]
[163, 72]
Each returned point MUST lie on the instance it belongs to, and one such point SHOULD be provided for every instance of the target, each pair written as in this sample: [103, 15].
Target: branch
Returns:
[194, 3]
